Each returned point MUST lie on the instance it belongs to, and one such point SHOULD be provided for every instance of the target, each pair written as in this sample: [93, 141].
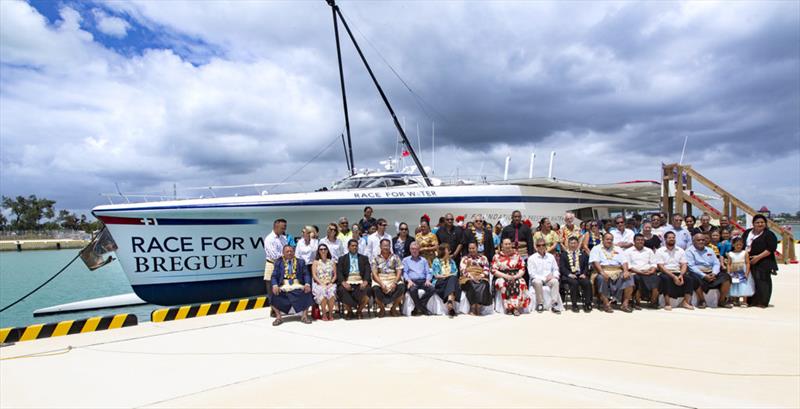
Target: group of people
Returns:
[596, 263]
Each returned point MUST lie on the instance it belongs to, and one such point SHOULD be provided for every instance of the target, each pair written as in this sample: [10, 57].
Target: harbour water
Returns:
[20, 272]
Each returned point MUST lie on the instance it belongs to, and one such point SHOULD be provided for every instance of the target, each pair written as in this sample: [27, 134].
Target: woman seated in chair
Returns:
[474, 279]
[508, 269]
[445, 278]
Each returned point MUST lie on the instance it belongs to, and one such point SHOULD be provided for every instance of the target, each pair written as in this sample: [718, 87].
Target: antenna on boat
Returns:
[337, 11]
[433, 147]
[530, 169]
[550, 170]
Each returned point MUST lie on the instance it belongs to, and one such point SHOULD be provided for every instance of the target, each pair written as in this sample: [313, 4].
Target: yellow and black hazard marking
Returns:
[57, 329]
[201, 310]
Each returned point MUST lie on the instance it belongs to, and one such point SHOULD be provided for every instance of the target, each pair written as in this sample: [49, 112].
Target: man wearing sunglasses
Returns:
[453, 236]
[344, 230]
[623, 237]
[480, 234]
[374, 239]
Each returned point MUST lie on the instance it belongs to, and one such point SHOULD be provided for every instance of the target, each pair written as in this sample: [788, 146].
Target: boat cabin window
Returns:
[374, 182]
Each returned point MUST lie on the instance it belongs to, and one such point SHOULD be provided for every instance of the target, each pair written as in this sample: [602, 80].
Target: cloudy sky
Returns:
[146, 94]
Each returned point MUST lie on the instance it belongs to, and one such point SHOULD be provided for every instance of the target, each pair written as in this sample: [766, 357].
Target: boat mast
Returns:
[349, 145]
[338, 12]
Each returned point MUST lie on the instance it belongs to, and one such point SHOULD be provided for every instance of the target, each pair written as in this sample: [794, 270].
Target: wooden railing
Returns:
[682, 176]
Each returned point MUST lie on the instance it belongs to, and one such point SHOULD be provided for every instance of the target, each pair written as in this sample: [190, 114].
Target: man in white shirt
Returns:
[374, 240]
[623, 238]
[273, 247]
[675, 282]
[642, 263]
[613, 278]
[543, 270]
[683, 238]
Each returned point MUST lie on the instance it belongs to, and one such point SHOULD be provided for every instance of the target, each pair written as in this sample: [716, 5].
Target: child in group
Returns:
[713, 242]
[738, 263]
[725, 242]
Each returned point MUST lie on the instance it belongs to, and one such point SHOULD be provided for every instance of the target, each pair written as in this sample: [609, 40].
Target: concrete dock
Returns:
[42, 244]
[703, 358]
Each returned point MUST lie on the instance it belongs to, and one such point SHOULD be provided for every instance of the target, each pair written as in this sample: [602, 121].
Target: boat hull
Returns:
[200, 250]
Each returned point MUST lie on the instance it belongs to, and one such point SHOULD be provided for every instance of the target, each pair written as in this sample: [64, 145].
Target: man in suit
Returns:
[574, 268]
[481, 235]
[354, 277]
[291, 287]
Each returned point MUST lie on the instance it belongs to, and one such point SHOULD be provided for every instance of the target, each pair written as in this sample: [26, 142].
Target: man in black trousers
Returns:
[354, 279]
[574, 270]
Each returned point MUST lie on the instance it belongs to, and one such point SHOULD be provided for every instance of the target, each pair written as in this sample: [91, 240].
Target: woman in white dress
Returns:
[324, 289]
[738, 264]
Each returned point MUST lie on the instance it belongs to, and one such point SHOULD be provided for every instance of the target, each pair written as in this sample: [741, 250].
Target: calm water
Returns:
[21, 272]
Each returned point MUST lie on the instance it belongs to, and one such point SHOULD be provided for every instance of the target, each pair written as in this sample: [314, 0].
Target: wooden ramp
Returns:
[683, 176]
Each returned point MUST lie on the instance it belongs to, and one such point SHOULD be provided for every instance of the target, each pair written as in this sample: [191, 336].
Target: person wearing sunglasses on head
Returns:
[331, 240]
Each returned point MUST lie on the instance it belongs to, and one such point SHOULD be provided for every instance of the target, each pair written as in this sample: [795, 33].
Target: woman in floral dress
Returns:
[508, 269]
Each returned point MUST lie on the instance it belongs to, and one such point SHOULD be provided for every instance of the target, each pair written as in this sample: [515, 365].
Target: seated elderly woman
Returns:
[613, 277]
[291, 287]
[508, 269]
[474, 279]
[387, 280]
[445, 279]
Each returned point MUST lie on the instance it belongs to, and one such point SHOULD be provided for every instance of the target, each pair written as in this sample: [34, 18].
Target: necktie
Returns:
[516, 235]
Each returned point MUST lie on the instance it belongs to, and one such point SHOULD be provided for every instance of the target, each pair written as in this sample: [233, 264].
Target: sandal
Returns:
[305, 320]
[277, 322]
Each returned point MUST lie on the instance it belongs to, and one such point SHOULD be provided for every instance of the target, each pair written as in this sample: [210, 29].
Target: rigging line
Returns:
[335, 139]
[418, 99]
[43, 284]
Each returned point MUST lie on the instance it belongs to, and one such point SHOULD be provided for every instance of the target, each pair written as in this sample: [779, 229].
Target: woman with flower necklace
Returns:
[291, 287]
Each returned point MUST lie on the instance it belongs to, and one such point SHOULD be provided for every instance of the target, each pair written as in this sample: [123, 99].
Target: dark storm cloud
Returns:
[635, 77]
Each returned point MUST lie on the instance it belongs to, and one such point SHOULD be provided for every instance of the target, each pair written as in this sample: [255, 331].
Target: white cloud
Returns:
[110, 25]
[76, 116]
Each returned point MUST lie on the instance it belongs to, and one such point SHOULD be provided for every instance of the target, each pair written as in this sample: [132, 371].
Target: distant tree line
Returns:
[34, 213]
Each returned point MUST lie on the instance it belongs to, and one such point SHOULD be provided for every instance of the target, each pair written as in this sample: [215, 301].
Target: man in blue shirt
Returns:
[683, 238]
[418, 276]
[704, 264]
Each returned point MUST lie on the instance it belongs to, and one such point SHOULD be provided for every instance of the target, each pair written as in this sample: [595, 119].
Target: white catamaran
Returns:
[188, 251]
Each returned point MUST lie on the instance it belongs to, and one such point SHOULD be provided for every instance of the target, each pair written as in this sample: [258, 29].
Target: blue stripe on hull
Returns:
[200, 291]
[385, 201]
